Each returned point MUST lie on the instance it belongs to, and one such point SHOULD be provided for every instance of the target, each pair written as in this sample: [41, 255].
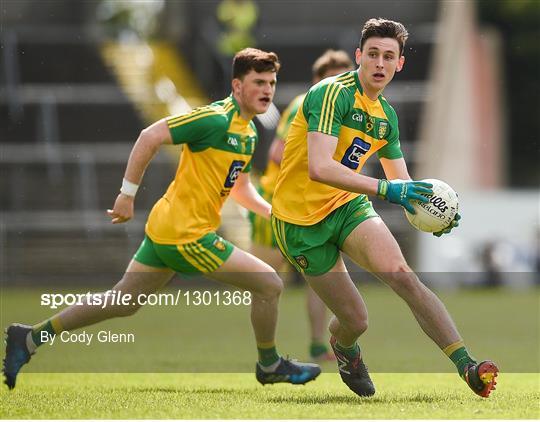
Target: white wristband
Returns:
[128, 188]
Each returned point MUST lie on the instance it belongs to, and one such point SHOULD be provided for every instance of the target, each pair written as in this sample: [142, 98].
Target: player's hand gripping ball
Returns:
[440, 213]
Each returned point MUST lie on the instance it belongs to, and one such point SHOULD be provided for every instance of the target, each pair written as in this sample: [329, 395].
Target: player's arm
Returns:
[275, 153]
[324, 169]
[395, 169]
[245, 194]
[144, 149]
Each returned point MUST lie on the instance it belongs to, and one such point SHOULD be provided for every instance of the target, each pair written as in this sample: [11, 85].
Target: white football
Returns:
[438, 213]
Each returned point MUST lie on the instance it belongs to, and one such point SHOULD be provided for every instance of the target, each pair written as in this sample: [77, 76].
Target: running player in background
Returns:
[181, 228]
[320, 207]
[264, 246]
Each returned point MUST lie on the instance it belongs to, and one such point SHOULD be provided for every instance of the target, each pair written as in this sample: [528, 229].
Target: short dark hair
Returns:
[254, 59]
[384, 28]
[331, 59]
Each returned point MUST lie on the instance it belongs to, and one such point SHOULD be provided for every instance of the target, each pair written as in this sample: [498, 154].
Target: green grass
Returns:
[165, 373]
[500, 325]
[238, 396]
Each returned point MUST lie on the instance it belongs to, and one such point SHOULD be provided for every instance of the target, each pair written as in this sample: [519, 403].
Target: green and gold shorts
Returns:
[261, 228]
[205, 255]
[314, 249]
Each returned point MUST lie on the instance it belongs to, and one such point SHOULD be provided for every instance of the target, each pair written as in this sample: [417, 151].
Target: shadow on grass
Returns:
[177, 390]
[350, 399]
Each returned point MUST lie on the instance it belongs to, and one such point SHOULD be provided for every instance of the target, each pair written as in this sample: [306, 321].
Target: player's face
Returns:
[379, 61]
[255, 91]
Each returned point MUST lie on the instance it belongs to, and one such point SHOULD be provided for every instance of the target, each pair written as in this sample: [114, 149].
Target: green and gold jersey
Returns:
[338, 107]
[269, 178]
[219, 145]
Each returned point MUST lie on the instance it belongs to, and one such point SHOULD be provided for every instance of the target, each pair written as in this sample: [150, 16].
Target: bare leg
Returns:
[372, 246]
[138, 279]
[317, 315]
[339, 293]
[247, 272]
[315, 306]
[272, 256]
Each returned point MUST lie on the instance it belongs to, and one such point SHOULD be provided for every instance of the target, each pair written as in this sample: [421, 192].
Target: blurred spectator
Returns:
[238, 17]
[504, 262]
[129, 19]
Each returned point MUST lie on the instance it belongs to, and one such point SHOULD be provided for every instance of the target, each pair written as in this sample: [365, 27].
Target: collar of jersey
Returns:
[237, 111]
[236, 106]
[359, 87]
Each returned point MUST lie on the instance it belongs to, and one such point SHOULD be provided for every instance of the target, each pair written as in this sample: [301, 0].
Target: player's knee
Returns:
[358, 326]
[402, 279]
[271, 288]
[355, 322]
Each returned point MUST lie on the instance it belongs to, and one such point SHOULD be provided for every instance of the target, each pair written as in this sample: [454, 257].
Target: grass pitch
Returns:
[413, 378]
[238, 396]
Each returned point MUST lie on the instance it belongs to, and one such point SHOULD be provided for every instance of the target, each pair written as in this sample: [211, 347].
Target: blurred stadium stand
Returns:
[67, 125]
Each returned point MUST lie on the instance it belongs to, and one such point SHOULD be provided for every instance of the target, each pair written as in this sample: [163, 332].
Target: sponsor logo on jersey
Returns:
[234, 170]
[383, 127]
[358, 117]
[354, 153]
[302, 261]
[232, 141]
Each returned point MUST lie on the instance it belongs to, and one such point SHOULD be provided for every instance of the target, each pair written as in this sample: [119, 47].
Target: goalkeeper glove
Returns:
[402, 192]
[454, 223]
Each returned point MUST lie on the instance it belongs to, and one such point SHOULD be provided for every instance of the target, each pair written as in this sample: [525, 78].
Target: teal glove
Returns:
[402, 192]
[454, 223]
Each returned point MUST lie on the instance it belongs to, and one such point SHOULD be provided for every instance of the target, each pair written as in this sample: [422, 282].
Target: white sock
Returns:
[30, 343]
[270, 368]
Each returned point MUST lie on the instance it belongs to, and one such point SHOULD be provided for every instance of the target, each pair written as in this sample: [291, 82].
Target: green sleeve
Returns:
[392, 150]
[197, 125]
[325, 107]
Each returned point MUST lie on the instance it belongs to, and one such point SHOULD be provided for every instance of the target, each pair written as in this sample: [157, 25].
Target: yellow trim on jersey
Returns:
[238, 127]
[332, 109]
[193, 117]
[202, 112]
[328, 105]
[373, 108]
[184, 116]
[188, 258]
[228, 107]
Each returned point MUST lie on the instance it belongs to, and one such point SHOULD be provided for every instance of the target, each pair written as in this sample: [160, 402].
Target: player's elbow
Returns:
[316, 171]
[149, 139]
[154, 135]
